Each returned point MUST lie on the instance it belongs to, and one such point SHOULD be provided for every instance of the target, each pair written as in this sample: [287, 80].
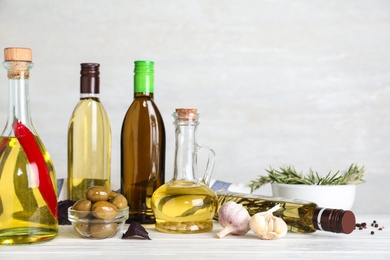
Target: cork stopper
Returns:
[18, 54]
[187, 114]
[19, 59]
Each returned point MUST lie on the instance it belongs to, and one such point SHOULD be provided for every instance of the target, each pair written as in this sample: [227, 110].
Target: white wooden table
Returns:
[319, 245]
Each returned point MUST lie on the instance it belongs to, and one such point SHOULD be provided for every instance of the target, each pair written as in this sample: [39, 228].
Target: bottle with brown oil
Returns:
[142, 146]
[28, 190]
[186, 204]
[300, 216]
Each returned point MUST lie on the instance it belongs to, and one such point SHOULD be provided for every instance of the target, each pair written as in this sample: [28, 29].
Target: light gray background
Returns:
[305, 83]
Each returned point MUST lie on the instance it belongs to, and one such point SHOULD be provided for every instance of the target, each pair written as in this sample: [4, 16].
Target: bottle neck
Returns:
[185, 150]
[18, 96]
[95, 96]
[143, 94]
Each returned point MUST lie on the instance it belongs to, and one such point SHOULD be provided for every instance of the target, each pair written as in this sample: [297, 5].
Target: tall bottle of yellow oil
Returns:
[28, 189]
[186, 204]
[89, 137]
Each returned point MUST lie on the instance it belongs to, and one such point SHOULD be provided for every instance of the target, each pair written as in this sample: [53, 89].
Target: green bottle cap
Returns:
[143, 76]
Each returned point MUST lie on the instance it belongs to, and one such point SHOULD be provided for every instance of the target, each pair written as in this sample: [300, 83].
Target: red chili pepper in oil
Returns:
[41, 173]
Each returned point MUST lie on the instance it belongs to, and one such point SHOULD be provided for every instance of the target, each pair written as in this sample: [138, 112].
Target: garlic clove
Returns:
[280, 227]
[270, 223]
[267, 226]
[270, 236]
[258, 224]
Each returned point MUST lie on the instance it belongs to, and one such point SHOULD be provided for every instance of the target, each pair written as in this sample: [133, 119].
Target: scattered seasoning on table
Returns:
[363, 225]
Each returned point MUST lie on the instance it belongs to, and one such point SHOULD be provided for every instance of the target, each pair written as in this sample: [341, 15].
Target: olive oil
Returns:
[186, 204]
[89, 148]
[89, 138]
[139, 197]
[142, 146]
[28, 190]
[24, 215]
[297, 214]
[184, 207]
[300, 216]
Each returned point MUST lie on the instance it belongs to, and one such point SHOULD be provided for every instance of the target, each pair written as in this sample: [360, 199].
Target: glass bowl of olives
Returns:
[101, 215]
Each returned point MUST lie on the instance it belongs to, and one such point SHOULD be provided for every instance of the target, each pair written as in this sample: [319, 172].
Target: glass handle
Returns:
[210, 163]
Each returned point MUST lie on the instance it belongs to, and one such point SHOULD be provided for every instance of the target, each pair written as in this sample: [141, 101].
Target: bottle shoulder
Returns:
[88, 106]
[143, 106]
[87, 109]
[143, 115]
[192, 187]
[142, 100]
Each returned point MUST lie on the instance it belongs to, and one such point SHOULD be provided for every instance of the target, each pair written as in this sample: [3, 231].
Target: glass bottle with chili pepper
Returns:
[28, 190]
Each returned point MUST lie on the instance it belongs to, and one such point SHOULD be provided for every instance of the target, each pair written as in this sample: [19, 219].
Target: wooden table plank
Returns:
[319, 245]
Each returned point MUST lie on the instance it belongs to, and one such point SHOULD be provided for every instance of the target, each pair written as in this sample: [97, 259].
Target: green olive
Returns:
[103, 230]
[82, 205]
[112, 194]
[82, 229]
[119, 201]
[97, 193]
[104, 210]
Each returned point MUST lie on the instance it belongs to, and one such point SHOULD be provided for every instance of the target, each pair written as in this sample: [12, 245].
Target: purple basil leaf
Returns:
[136, 231]
[63, 211]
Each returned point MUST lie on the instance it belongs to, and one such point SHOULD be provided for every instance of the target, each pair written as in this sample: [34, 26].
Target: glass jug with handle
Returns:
[186, 204]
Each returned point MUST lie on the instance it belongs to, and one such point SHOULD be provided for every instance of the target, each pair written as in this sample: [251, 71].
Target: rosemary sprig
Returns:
[288, 175]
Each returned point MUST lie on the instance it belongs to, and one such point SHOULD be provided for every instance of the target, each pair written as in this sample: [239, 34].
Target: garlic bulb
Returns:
[234, 218]
[267, 226]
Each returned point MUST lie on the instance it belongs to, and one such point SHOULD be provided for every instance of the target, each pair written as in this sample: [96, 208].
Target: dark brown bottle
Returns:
[142, 147]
